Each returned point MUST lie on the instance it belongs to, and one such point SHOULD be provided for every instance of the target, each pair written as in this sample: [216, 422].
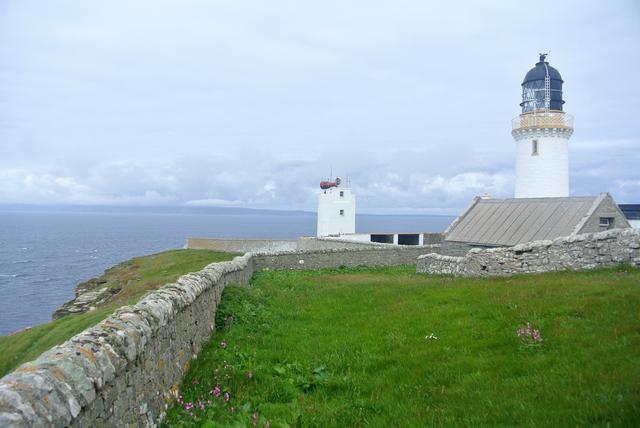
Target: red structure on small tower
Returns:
[324, 185]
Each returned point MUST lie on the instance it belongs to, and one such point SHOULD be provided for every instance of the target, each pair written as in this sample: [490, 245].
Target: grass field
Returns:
[137, 276]
[387, 347]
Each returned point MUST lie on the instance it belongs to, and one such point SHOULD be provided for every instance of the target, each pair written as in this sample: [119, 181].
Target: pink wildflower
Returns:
[216, 391]
[254, 419]
[227, 396]
[223, 344]
[536, 336]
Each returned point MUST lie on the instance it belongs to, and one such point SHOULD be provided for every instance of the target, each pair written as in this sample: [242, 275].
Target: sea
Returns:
[46, 252]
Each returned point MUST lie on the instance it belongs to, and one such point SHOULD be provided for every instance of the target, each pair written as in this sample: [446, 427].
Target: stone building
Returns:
[490, 222]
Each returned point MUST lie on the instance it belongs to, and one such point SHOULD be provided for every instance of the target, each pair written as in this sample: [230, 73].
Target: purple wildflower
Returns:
[227, 396]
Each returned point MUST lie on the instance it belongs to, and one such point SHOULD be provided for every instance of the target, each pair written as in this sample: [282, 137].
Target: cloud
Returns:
[251, 104]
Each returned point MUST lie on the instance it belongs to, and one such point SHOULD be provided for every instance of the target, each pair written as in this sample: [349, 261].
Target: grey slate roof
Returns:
[514, 221]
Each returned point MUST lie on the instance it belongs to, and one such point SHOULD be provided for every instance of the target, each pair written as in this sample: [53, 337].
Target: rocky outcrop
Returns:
[89, 295]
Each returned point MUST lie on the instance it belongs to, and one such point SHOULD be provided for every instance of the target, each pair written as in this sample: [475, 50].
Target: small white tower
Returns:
[336, 209]
[542, 135]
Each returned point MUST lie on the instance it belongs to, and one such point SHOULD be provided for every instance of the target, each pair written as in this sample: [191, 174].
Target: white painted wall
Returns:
[366, 237]
[330, 222]
[635, 224]
[360, 237]
[546, 174]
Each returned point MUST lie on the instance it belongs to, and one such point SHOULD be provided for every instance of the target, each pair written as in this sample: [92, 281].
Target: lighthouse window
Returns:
[534, 148]
[341, 193]
[341, 212]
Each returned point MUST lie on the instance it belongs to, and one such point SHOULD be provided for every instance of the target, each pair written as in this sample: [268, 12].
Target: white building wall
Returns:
[545, 174]
[635, 224]
[330, 204]
[360, 237]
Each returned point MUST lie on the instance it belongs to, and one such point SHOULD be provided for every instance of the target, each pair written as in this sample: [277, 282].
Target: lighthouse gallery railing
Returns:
[544, 119]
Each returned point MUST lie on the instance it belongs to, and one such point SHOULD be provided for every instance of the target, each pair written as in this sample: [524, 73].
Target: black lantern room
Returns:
[542, 88]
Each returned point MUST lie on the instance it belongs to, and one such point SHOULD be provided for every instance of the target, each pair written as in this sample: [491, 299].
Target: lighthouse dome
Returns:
[542, 88]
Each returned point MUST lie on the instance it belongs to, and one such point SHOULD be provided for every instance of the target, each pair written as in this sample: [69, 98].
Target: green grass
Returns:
[348, 348]
[136, 277]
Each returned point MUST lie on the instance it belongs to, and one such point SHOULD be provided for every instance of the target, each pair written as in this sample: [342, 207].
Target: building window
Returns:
[342, 193]
[341, 212]
[607, 222]
[534, 148]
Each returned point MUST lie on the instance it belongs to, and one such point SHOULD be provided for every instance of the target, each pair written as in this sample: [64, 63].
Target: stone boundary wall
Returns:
[241, 245]
[310, 244]
[125, 370]
[388, 255]
[585, 251]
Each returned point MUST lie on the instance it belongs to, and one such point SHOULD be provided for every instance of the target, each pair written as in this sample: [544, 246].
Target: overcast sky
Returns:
[251, 103]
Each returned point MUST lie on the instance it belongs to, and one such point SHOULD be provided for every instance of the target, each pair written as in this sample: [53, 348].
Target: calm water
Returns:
[43, 255]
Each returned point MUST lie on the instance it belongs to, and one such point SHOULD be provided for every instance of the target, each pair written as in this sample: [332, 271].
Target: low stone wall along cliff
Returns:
[125, 369]
[586, 251]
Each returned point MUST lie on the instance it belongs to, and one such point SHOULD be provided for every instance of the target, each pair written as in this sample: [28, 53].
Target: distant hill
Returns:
[147, 209]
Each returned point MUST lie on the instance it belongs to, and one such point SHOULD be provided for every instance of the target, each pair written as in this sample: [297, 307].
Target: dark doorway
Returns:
[383, 239]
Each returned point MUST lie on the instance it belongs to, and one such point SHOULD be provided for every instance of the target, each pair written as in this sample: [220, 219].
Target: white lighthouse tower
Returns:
[336, 209]
[542, 133]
